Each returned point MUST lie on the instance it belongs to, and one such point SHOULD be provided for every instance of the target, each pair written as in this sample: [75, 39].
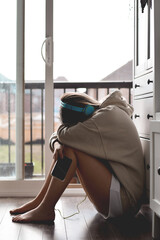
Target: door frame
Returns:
[20, 186]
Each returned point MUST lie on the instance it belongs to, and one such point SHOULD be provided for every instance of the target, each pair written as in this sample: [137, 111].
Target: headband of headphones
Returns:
[87, 110]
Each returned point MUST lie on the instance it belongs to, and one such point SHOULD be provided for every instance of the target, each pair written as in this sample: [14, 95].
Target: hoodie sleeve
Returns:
[52, 140]
[83, 136]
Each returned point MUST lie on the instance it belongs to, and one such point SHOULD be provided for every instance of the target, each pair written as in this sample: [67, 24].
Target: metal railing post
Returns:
[31, 125]
[9, 124]
[42, 140]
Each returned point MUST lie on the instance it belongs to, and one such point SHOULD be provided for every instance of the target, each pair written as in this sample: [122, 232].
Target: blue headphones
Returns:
[87, 110]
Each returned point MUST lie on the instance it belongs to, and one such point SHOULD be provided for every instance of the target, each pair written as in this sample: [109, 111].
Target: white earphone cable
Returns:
[78, 211]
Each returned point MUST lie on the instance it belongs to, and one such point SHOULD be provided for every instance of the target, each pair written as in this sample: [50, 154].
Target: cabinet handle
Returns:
[136, 116]
[149, 116]
[148, 166]
[136, 85]
[149, 81]
[158, 171]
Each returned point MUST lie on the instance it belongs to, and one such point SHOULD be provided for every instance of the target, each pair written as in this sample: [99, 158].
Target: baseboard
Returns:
[30, 188]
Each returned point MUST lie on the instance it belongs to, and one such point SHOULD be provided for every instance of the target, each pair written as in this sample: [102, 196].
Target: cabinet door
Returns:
[155, 167]
[144, 84]
[143, 39]
[143, 113]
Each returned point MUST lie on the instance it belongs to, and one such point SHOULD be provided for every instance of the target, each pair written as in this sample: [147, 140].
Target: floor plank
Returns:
[3, 208]
[96, 223]
[56, 231]
[135, 228]
[30, 231]
[8, 230]
[88, 225]
[76, 227]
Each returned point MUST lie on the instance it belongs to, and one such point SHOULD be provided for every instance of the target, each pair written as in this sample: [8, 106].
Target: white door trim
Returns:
[20, 90]
[19, 186]
[49, 85]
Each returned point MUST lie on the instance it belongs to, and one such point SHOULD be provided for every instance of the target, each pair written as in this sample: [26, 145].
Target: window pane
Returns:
[150, 55]
[34, 88]
[92, 38]
[142, 34]
[7, 88]
[34, 37]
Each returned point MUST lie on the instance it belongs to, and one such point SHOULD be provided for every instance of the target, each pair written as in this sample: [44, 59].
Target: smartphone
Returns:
[61, 168]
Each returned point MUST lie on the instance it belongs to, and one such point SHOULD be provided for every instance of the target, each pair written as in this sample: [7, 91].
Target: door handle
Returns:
[48, 59]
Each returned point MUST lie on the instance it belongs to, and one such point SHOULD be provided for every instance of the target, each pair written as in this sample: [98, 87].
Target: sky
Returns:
[8, 40]
[92, 38]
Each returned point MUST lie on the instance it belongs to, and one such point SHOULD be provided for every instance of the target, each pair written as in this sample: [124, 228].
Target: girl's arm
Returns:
[83, 136]
[53, 139]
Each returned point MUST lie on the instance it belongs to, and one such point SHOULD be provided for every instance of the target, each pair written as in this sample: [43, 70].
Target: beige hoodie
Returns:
[110, 134]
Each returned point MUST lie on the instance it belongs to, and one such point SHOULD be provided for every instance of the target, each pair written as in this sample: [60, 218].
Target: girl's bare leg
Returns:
[95, 179]
[37, 200]
[45, 210]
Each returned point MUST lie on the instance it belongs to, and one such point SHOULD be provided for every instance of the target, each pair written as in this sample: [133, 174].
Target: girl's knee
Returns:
[70, 153]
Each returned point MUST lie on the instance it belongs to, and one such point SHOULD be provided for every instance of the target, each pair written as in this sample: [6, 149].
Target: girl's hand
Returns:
[58, 151]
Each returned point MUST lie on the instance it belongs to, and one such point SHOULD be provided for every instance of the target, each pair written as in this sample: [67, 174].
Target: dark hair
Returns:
[70, 117]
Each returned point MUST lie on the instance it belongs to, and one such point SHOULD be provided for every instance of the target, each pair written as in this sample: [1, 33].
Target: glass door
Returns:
[38, 68]
[26, 89]
[7, 89]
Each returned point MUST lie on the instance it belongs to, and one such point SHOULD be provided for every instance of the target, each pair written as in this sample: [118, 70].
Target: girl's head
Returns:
[81, 100]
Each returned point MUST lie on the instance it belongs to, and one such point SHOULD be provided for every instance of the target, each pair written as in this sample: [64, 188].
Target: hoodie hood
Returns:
[118, 100]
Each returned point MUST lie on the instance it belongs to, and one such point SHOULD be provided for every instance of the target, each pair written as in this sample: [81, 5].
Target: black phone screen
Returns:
[61, 168]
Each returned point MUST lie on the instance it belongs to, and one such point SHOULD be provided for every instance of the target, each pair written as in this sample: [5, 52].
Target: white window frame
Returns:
[21, 186]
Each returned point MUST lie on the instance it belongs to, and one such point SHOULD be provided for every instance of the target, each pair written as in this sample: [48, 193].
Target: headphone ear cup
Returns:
[89, 109]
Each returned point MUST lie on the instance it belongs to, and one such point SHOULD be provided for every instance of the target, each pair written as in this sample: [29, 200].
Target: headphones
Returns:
[87, 110]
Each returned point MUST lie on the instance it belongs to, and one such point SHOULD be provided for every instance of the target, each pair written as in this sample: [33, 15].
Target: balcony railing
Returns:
[35, 112]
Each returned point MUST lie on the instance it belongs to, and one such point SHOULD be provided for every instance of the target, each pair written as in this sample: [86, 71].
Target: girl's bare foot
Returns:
[26, 207]
[37, 215]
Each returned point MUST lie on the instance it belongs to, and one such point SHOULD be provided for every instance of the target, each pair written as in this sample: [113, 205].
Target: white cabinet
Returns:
[143, 80]
[143, 37]
[147, 98]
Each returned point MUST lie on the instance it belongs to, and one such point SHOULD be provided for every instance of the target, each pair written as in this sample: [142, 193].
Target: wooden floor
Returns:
[87, 225]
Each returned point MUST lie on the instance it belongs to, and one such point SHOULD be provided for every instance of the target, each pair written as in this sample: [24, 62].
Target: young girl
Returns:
[105, 151]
